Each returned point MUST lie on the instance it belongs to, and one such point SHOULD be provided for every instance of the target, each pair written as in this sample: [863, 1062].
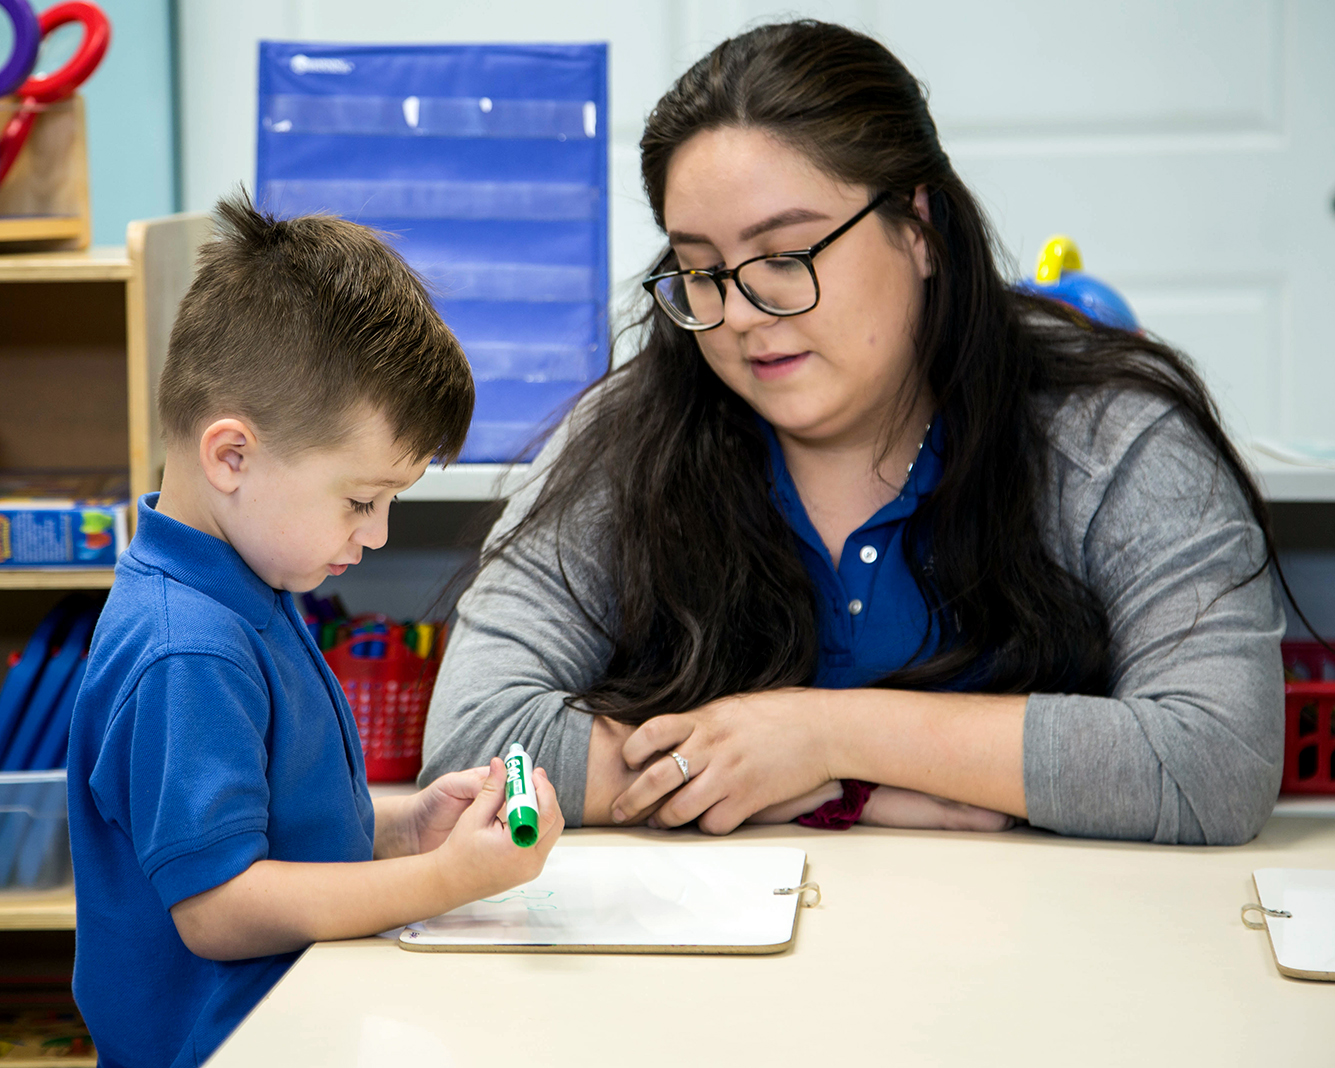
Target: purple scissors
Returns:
[27, 37]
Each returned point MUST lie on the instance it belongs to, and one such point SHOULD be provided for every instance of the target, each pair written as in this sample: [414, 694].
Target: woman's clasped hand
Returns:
[770, 763]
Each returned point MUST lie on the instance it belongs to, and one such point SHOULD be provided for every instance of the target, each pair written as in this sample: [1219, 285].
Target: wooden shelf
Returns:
[83, 335]
[47, 910]
[41, 228]
[1283, 481]
[91, 265]
[1279, 481]
[467, 482]
[58, 579]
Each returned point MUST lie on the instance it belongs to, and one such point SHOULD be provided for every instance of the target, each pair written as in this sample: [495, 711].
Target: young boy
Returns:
[219, 814]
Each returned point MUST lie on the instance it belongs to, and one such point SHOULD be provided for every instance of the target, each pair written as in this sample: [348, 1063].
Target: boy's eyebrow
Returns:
[791, 217]
[383, 483]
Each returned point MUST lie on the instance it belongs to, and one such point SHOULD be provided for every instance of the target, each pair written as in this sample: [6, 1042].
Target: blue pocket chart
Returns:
[488, 164]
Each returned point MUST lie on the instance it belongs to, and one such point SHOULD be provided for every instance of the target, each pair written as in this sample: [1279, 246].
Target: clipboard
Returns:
[635, 899]
[1297, 911]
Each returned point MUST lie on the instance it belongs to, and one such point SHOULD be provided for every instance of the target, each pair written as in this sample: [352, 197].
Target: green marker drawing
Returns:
[521, 801]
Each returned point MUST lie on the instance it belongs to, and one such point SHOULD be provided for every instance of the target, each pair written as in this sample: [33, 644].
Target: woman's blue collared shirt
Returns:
[870, 615]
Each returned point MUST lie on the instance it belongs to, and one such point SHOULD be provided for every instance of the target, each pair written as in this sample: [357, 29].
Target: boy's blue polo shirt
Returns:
[208, 734]
[869, 614]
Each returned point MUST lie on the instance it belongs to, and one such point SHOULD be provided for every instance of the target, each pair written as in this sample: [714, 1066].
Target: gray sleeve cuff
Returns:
[1167, 770]
[1115, 795]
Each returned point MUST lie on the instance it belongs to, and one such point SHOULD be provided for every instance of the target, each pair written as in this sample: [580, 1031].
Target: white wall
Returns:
[1188, 145]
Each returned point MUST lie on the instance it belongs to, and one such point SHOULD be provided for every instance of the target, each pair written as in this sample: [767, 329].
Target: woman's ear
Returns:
[921, 205]
[225, 453]
[921, 251]
[917, 246]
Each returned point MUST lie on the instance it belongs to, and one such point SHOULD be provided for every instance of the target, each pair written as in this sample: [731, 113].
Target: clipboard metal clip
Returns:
[802, 900]
[1259, 925]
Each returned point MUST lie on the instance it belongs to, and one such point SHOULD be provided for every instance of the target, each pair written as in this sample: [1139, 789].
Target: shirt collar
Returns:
[201, 561]
[925, 477]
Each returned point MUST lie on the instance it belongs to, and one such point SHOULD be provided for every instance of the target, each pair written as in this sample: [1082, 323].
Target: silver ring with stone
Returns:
[685, 767]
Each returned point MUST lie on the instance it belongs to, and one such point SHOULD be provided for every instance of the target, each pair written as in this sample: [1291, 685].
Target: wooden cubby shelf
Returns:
[83, 338]
[53, 579]
[48, 910]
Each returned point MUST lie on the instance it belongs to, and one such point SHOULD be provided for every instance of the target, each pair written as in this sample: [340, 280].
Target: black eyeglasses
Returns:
[779, 283]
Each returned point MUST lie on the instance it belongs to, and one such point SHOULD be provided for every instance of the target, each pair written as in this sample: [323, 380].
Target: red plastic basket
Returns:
[1309, 719]
[389, 688]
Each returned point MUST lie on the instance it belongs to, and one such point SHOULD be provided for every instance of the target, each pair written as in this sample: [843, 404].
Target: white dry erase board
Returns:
[1298, 906]
[634, 899]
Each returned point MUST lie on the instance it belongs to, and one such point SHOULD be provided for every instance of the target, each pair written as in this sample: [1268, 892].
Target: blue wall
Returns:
[131, 141]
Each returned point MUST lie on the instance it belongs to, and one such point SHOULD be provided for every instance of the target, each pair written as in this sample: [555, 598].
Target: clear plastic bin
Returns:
[34, 831]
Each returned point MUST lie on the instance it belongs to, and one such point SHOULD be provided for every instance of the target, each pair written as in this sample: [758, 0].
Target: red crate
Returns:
[389, 688]
[1309, 719]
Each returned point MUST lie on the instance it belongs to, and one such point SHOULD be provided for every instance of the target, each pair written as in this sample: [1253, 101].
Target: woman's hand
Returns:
[787, 811]
[889, 806]
[746, 753]
[771, 757]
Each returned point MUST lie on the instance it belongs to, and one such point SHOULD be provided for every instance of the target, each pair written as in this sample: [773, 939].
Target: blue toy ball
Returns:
[1059, 277]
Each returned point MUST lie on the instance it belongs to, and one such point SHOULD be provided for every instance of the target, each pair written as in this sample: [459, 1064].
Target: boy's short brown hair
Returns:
[291, 324]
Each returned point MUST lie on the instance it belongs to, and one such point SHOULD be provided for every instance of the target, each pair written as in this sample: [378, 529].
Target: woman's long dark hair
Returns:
[711, 597]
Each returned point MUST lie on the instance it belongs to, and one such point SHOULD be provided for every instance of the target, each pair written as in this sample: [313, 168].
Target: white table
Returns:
[930, 948]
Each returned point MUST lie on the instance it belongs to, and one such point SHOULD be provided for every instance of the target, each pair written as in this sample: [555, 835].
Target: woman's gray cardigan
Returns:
[1187, 747]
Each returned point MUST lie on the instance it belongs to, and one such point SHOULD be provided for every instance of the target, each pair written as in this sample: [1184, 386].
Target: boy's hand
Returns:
[435, 809]
[479, 855]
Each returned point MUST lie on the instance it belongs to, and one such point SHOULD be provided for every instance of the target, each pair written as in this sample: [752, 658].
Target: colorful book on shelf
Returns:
[63, 518]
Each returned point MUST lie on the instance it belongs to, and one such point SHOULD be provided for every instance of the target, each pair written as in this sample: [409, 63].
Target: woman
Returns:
[862, 534]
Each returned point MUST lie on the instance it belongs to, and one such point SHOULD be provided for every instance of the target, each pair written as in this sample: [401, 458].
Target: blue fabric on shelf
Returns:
[23, 677]
[487, 165]
[51, 750]
[57, 674]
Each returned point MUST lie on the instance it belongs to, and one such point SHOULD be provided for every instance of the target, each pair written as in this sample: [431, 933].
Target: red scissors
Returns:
[35, 93]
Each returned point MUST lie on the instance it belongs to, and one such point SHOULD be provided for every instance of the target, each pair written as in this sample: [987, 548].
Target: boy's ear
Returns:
[226, 451]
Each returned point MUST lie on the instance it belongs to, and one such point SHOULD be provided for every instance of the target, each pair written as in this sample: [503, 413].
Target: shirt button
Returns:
[854, 607]
[868, 554]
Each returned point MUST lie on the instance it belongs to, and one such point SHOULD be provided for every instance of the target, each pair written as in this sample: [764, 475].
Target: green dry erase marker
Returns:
[521, 800]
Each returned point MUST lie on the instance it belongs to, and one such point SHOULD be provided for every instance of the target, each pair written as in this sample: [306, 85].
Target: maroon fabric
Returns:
[841, 813]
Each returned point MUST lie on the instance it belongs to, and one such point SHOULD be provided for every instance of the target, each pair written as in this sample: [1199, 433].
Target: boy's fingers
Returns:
[490, 797]
[477, 775]
[471, 781]
[549, 808]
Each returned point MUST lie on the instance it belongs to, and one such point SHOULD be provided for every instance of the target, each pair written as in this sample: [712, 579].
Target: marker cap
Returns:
[524, 826]
[521, 800]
